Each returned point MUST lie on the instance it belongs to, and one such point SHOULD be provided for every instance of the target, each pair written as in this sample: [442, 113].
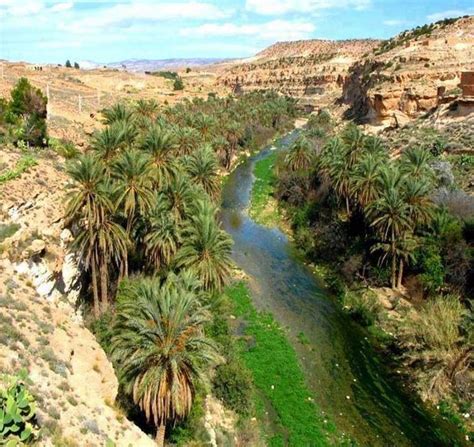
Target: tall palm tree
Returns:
[187, 139]
[417, 193]
[133, 185]
[202, 169]
[233, 133]
[159, 144]
[355, 140]
[104, 246]
[300, 155]
[88, 208]
[206, 248]
[205, 125]
[161, 351]
[390, 216]
[178, 197]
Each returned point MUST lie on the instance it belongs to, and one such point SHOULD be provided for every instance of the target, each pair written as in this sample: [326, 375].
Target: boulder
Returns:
[36, 248]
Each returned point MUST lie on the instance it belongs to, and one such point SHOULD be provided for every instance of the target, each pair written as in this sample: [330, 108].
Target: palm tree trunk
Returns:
[95, 290]
[394, 263]
[104, 285]
[400, 274]
[160, 435]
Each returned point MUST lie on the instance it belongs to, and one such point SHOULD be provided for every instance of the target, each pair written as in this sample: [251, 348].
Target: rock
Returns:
[37, 248]
[66, 236]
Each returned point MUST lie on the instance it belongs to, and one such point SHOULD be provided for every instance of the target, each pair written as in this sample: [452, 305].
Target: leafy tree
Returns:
[76, 66]
[160, 349]
[68, 64]
[28, 109]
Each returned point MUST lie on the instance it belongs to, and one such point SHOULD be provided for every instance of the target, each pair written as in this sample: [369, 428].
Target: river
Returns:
[348, 378]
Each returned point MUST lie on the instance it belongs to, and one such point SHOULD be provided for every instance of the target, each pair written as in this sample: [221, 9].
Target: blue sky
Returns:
[108, 31]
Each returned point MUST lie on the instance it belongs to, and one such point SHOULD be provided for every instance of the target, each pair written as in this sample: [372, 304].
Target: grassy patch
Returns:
[263, 206]
[8, 230]
[278, 376]
[22, 165]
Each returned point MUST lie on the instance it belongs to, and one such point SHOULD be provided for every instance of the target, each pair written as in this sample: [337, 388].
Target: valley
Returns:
[265, 251]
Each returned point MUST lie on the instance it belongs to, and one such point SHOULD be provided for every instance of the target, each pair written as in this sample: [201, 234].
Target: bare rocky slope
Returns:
[307, 68]
[379, 82]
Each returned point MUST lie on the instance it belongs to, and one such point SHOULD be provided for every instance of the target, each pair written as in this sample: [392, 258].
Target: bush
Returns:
[430, 263]
[64, 148]
[17, 412]
[233, 385]
[28, 111]
[178, 84]
[364, 306]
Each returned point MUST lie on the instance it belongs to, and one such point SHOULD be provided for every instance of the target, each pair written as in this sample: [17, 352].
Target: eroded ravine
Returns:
[347, 377]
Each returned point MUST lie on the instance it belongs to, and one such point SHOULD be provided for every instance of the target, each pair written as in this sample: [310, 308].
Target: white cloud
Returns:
[281, 7]
[393, 22]
[123, 15]
[23, 9]
[61, 7]
[449, 14]
[271, 31]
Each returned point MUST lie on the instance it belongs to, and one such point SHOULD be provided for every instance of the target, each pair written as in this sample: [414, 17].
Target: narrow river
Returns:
[348, 379]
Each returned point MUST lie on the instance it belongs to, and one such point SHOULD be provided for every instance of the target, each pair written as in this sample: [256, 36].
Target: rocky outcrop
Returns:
[304, 69]
[413, 73]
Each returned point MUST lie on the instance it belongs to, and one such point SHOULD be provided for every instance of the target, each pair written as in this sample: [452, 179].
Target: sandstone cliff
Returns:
[413, 73]
[308, 69]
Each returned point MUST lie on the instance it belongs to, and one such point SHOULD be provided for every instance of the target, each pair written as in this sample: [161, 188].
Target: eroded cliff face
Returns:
[412, 74]
[304, 69]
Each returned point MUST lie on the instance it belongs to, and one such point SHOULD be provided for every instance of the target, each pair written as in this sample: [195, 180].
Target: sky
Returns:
[45, 31]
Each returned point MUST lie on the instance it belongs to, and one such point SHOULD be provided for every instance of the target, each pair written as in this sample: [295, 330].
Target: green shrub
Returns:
[178, 84]
[28, 112]
[365, 306]
[22, 165]
[233, 385]
[17, 412]
[430, 263]
[64, 148]
[8, 230]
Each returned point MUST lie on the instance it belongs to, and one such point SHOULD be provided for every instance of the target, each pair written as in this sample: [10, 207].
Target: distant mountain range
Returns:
[142, 65]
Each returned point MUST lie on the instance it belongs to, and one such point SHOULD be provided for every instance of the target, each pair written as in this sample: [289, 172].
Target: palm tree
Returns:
[178, 197]
[300, 156]
[162, 239]
[101, 245]
[202, 169]
[415, 163]
[205, 125]
[206, 248]
[109, 141]
[147, 108]
[233, 133]
[365, 182]
[390, 216]
[187, 139]
[118, 112]
[160, 349]
[355, 140]
[88, 208]
[418, 197]
[133, 185]
[159, 144]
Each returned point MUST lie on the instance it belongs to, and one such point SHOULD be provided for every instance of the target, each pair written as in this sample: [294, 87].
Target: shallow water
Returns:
[348, 379]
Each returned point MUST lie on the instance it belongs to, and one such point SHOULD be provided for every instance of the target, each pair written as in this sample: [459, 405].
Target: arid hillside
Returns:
[310, 69]
[75, 96]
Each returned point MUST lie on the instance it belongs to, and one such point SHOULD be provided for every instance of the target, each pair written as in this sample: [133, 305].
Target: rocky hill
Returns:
[306, 68]
[413, 73]
[377, 81]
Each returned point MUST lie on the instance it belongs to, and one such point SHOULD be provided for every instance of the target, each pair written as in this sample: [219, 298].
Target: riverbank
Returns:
[379, 310]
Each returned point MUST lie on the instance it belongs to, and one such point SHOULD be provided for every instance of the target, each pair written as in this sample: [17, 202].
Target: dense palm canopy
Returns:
[160, 348]
[300, 155]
